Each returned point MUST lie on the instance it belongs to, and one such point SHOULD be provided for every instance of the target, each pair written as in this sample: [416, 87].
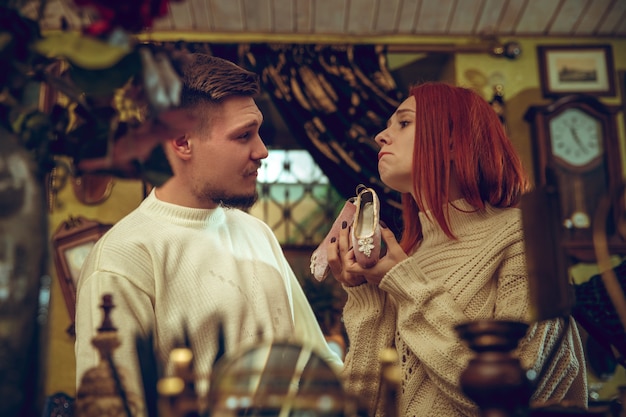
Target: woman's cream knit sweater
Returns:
[445, 282]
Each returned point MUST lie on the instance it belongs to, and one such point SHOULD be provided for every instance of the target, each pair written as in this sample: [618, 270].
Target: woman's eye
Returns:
[404, 124]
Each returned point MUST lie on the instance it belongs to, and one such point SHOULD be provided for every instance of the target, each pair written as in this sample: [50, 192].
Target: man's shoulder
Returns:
[133, 230]
[136, 219]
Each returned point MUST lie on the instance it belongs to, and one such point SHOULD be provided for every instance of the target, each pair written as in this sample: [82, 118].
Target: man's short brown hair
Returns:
[209, 79]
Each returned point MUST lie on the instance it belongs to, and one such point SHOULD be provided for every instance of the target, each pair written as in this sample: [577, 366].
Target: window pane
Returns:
[295, 198]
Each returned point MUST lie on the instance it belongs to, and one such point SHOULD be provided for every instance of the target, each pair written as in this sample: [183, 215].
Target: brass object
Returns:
[92, 189]
[177, 393]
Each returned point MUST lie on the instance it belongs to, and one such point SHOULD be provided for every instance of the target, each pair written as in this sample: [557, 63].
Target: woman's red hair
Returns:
[455, 119]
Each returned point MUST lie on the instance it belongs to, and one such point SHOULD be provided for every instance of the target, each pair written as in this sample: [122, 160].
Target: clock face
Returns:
[576, 137]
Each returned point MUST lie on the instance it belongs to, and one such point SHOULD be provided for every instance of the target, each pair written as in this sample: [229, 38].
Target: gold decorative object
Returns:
[102, 390]
[177, 393]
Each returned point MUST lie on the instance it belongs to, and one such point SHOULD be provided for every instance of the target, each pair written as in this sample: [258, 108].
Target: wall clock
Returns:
[72, 241]
[577, 157]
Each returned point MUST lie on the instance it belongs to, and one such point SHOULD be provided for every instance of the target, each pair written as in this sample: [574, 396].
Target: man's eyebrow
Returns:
[251, 123]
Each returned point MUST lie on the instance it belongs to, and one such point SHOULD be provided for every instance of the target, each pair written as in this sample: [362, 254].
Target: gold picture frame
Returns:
[72, 241]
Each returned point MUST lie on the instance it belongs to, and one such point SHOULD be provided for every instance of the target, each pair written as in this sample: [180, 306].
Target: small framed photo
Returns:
[72, 242]
[579, 69]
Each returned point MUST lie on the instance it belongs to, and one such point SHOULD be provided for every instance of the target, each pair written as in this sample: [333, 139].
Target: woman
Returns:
[460, 258]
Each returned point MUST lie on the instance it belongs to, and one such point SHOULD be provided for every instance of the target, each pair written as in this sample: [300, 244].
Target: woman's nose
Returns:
[382, 138]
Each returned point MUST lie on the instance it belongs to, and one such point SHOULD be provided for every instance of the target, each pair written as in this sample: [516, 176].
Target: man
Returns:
[188, 260]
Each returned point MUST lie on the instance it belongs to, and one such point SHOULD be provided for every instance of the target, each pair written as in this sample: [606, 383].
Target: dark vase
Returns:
[23, 261]
[494, 379]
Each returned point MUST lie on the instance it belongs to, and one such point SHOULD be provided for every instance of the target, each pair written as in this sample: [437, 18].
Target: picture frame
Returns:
[576, 69]
[72, 241]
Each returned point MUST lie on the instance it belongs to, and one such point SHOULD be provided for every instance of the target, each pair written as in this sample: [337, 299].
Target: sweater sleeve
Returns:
[427, 316]
[132, 315]
[553, 350]
[370, 320]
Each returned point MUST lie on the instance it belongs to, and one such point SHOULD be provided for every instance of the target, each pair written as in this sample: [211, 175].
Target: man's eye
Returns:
[245, 135]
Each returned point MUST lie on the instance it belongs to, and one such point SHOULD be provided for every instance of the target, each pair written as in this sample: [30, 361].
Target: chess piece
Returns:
[103, 389]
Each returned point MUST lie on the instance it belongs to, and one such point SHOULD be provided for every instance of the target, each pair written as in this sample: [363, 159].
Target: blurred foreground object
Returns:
[23, 297]
[494, 379]
[120, 97]
[600, 301]
[550, 289]
[277, 378]
[102, 389]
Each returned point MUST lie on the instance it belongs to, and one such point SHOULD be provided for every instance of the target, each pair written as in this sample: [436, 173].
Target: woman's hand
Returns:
[341, 256]
[346, 270]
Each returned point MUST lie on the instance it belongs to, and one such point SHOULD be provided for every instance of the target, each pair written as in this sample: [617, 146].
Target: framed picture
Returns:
[580, 69]
[72, 242]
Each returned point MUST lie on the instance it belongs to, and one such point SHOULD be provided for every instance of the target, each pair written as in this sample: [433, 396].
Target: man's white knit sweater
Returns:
[170, 267]
[445, 282]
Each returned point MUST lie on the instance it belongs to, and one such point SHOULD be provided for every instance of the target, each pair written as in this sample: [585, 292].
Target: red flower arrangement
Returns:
[132, 16]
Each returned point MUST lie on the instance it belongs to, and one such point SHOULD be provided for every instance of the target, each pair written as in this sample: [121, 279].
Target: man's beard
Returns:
[226, 198]
[239, 202]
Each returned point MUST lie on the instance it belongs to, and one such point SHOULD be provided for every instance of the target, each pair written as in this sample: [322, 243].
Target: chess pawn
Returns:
[102, 389]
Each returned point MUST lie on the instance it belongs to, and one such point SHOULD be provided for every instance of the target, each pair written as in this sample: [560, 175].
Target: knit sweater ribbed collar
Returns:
[463, 219]
[185, 216]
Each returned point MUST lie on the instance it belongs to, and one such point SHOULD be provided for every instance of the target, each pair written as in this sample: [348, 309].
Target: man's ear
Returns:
[181, 147]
